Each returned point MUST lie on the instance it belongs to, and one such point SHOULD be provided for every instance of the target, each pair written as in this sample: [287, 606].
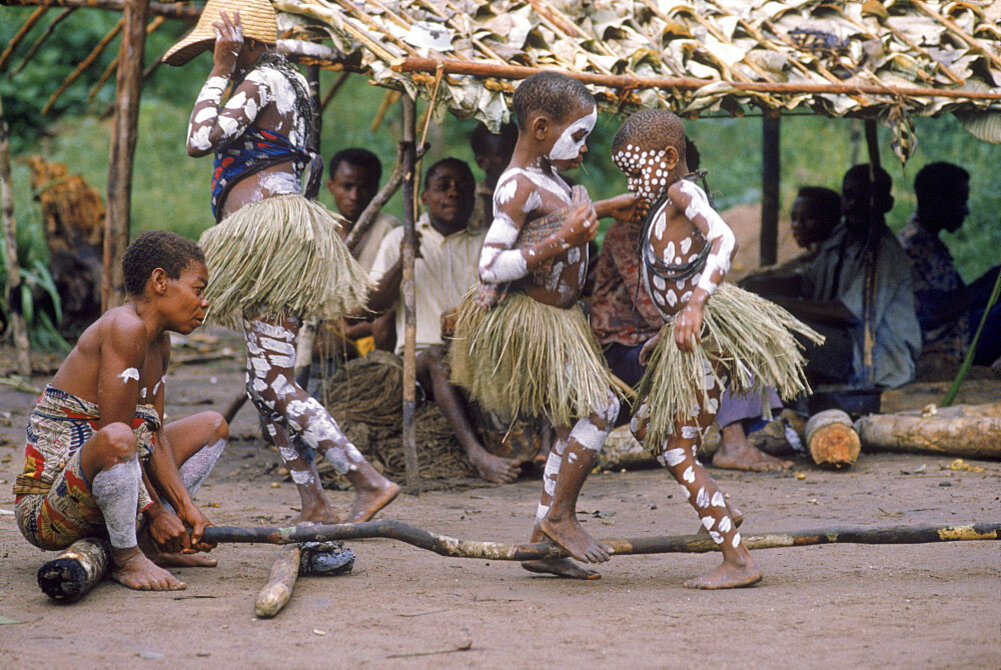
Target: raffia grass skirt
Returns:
[282, 256]
[746, 337]
[523, 357]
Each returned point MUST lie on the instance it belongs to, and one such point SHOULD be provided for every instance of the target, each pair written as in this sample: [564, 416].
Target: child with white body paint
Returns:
[686, 249]
[521, 343]
[276, 255]
[97, 453]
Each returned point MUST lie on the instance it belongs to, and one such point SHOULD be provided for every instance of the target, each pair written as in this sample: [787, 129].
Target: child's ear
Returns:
[424, 197]
[540, 126]
[158, 281]
[671, 157]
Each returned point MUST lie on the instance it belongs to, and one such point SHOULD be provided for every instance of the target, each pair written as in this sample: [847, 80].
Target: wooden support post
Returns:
[128, 87]
[409, 299]
[18, 326]
[770, 150]
[873, 241]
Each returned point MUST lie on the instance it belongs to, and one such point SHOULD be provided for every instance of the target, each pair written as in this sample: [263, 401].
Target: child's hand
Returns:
[168, 532]
[688, 328]
[194, 518]
[621, 207]
[228, 41]
[581, 226]
[648, 348]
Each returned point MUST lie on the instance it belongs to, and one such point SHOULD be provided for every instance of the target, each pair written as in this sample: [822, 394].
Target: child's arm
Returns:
[210, 127]
[690, 199]
[514, 199]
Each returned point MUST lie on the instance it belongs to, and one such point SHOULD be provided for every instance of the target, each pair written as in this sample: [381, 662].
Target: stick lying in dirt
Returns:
[450, 546]
[281, 581]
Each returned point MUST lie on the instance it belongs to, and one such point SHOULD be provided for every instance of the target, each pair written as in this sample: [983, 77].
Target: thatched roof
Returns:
[832, 57]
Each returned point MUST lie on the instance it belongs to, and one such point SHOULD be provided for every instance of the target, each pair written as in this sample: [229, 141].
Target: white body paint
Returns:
[116, 492]
[566, 148]
[127, 374]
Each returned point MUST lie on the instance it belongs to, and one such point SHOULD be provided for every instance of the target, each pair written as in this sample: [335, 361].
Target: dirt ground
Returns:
[932, 605]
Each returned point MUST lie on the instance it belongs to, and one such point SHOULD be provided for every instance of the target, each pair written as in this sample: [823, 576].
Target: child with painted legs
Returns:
[97, 453]
[521, 343]
[276, 256]
[686, 249]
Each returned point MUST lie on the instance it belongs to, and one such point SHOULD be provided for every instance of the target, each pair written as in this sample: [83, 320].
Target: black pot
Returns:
[855, 402]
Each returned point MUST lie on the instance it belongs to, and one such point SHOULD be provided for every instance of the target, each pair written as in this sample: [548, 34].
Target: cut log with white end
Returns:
[73, 573]
[832, 440]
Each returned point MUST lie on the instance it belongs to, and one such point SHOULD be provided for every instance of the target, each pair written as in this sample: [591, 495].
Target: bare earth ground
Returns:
[932, 605]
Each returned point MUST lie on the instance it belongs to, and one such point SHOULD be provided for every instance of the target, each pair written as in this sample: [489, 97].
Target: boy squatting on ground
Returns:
[686, 249]
[521, 344]
[98, 453]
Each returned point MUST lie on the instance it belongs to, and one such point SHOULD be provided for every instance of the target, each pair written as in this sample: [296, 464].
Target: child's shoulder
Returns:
[686, 190]
[120, 325]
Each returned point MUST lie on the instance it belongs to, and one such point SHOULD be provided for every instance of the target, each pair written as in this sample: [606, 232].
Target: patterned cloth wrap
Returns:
[53, 502]
[532, 233]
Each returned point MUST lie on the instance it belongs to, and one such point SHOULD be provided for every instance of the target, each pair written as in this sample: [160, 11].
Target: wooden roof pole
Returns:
[169, 10]
[409, 150]
[128, 87]
[770, 161]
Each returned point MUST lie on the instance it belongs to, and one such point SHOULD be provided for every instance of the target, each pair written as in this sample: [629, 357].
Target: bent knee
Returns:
[218, 424]
[610, 412]
[116, 443]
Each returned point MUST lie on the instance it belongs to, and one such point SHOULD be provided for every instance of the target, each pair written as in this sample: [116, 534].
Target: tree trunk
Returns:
[972, 437]
[18, 326]
[123, 144]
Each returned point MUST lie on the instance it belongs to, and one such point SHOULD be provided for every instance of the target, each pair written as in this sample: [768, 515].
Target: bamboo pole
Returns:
[41, 39]
[128, 88]
[504, 71]
[19, 327]
[409, 299]
[457, 548]
[35, 17]
[169, 10]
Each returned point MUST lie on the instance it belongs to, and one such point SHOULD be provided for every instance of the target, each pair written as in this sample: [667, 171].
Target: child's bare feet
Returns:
[319, 512]
[568, 533]
[134, 570]
[743, 455]
[494, 468]
[370, 499]
[561, 567]
[727, 576]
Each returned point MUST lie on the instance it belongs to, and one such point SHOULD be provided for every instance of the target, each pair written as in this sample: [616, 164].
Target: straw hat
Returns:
[257, 17]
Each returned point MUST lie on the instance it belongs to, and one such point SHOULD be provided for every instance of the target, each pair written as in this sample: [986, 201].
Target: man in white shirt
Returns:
[445, 269]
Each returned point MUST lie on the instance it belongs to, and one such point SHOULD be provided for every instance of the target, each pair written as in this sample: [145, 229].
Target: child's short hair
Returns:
[157, 249]
[552, 93]
[654, 129]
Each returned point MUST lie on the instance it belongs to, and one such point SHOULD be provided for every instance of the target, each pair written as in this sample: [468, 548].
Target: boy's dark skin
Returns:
[448, 197]
[567, 249]
[135, 335]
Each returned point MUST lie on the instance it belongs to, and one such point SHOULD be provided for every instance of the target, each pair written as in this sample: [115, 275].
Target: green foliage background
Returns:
[171, 191]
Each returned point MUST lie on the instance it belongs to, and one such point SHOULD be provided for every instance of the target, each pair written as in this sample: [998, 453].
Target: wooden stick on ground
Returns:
[454, 547]
[19, 327]
[281, 582]
[76, 571]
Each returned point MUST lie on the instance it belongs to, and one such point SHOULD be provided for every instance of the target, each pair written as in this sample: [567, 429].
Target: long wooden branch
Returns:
[450, 546]
[84, 64]
[168, 10]
[41, 39]
[35, 17]
[501, 71]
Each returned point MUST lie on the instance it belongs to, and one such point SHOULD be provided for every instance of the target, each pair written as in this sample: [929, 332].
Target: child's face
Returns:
[570, 145]
[804, 225]
[185, 302]
[648, 170]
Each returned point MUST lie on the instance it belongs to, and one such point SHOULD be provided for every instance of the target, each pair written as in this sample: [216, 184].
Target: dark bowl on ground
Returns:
[855, 402]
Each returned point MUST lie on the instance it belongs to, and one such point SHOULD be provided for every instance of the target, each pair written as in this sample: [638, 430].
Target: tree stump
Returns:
[832, 440]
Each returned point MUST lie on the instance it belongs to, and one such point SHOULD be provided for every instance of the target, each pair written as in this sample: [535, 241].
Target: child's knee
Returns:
[611, 410]
[116, 443]
[220, 428]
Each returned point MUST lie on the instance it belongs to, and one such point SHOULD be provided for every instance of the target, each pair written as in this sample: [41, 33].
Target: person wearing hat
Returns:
[275, 256]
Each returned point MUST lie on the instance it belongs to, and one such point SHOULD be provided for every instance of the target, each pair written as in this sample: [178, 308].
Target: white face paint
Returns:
[566, 148]
[127, 374]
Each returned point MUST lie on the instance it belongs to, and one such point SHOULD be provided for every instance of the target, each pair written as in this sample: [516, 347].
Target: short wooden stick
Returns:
[281, 582]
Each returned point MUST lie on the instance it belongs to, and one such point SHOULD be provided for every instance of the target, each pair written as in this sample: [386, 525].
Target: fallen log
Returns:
[970, 437]
[454, 547]
[281, 582]
[76, 571]
[831, 439]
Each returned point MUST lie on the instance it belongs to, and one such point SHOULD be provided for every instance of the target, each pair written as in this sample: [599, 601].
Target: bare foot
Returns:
[569, 534]
[369, 500]
[561, 567]
[735, 515]
[134, 570]
[320, 512]
[494, 468]
[745, 456]
[727, 576]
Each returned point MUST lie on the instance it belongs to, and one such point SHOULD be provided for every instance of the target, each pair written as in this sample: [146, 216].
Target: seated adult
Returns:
[623, 318]
[828, 293]
[98, 457]
[492, 152]
[445, 268]
[816, 211]
[948, 309]
[354, 181]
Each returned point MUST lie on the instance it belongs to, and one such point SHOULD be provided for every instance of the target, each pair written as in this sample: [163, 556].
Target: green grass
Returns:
[171, 190]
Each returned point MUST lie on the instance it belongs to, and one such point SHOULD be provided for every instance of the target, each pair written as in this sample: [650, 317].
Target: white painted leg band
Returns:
[116, 492]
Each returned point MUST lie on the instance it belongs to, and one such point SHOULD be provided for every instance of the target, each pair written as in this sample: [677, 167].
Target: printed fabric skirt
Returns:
[748, 340]
[282, 256]
[523, 357]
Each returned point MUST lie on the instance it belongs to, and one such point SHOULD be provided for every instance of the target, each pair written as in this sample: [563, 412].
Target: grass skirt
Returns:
[281, 256]
[523, 357]
[744, 336]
